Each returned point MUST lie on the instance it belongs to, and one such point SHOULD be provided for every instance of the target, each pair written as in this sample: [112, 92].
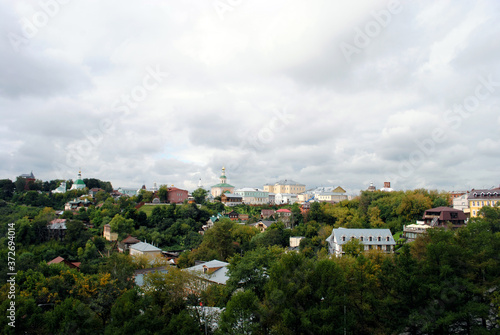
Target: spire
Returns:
[223, 176]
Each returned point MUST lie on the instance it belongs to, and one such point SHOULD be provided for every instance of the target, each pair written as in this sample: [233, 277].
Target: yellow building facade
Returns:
[479, 198]
[285, 186]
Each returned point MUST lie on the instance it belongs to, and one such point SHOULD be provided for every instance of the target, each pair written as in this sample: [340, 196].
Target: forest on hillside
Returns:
[446, 282]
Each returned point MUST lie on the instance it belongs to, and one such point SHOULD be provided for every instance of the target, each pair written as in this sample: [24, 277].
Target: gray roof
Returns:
[264, 222]
[230, 195]
[365, 233]
[218, 276]
[288, 182]
[144, 247]
[485, 194]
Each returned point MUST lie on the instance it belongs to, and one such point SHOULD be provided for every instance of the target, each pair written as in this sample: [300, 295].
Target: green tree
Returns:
[121, 226]
[163, 193]
[242, 315]
[251, 271]
[353, 247]
[199, 195]
[218, 241]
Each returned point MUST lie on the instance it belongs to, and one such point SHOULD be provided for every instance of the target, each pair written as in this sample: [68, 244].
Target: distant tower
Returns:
[78, 184]
[200, 185]
[371, 188]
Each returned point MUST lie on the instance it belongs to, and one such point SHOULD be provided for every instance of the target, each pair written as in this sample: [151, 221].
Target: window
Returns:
[379, 239]
[361, 238]
[388, 238]
[387, 248]
[371, 238]
[343, 238]
[473, 212]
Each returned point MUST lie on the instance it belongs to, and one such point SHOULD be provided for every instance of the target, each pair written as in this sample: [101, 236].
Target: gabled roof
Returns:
[130, 239]
[338, 189]
[283, 210]
[59, 259]
[214, 271]
[262, 222]
[144, 247]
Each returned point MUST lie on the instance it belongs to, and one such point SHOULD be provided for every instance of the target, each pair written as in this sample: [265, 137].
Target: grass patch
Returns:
[397, 236]
[148, 209]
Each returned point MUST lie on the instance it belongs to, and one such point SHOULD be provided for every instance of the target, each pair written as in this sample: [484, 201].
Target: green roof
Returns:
[79, 182]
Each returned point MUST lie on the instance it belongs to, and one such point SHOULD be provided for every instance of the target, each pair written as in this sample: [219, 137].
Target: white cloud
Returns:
[349, 123]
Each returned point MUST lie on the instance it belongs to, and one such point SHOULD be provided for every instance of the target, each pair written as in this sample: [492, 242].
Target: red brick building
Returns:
[176, 195]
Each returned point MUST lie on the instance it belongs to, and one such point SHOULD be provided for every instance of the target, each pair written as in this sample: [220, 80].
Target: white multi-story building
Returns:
[285, 198]
[253, 196]
[462, 203]
[379, 239]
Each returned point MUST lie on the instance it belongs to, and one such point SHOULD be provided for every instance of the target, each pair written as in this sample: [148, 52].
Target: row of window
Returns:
[485, 203]
[378, 247]
[486, 194]
[370, 238]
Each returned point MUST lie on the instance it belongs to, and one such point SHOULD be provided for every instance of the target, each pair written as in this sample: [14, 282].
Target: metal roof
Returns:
[144, 247]
[349, 233]
[217, 275]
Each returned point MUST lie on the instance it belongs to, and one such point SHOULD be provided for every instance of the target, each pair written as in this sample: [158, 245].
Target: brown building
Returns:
[29, 178]
[233, 216]
[442, 216]
[266, 213]
[229, 199]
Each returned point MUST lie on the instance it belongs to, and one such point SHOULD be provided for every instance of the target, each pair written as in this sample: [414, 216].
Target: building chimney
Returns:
[387, 184]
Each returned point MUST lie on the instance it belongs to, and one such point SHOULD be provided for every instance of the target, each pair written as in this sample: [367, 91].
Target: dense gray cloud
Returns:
[319, 92]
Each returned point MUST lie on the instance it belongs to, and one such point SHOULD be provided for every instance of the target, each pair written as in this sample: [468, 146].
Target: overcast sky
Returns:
[322, 92]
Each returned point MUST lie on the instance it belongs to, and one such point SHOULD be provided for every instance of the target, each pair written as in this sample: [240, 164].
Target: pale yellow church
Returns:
[223, 186]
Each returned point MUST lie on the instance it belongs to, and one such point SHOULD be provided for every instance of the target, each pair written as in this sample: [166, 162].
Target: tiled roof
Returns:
[130, 239]
[283, 210]
[56, 260]
[59, 259]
